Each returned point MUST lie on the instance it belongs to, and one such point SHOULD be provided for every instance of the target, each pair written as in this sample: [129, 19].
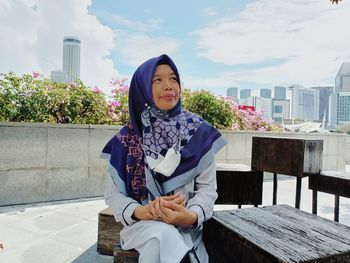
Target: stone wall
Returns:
[46, 162]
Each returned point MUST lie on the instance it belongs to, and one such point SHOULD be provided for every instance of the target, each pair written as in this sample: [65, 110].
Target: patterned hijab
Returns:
[151, 132]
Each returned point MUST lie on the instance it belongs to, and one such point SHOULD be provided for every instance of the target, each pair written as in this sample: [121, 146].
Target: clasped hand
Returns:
[170, 209]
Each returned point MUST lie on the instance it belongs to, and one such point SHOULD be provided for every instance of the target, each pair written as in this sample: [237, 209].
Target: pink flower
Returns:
[36, 75]
[97, 90]
[114, 103]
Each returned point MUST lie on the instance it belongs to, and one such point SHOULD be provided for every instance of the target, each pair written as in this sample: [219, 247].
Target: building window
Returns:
[278, 109]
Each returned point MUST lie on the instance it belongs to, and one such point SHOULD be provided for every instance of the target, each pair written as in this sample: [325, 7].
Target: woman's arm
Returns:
[202, 203]
[122, 206]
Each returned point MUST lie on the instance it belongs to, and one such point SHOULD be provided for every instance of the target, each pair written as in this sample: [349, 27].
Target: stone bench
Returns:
[331, 182]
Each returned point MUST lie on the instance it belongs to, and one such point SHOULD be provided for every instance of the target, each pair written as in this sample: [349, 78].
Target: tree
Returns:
[335, 1]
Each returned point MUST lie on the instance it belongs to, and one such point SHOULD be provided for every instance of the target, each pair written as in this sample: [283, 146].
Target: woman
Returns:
[162, 164]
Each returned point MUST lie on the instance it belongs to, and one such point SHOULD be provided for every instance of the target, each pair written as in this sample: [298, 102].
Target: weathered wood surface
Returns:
[331, 182]
[296, 157]
[238, 184]
[125, 256]
[108, 232]
[275, 234]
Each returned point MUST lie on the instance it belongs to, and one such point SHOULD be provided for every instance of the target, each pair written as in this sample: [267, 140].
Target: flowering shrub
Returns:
[33, 98]
[223, 113]
[118, 108]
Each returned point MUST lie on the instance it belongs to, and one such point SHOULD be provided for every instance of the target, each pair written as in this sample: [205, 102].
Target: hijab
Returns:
[151, 132]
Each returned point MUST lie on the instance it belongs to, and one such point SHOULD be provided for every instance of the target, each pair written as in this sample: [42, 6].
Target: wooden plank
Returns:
[296, 157]
[239, 186]
[108, 232]
[125, 256]
[275, 234]
[332, 182]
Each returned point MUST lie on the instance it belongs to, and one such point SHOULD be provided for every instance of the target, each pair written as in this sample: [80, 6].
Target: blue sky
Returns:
[215, 44]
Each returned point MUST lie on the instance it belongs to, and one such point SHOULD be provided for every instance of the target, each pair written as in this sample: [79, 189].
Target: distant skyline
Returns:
[216, 45]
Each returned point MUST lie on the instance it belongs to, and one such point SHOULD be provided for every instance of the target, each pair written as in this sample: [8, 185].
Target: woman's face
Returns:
[165, 88]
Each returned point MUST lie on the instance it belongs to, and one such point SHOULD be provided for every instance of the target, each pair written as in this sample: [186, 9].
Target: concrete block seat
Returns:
[331, 182]
[238, 184]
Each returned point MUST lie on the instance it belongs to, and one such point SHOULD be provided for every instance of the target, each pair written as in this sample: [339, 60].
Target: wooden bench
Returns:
[125, 256]
[238, 184]
[293, 157]
[272, 234]
[331, 182]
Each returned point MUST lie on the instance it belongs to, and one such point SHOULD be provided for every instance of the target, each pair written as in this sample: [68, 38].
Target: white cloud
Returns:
[208, 12]
[311, 37]
[32, 33]
[135, 48]
[151, 24]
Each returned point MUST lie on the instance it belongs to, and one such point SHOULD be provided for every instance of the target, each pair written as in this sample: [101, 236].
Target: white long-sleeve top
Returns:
[201, 195]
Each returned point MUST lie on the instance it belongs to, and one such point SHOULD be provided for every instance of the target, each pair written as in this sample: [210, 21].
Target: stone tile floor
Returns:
[66, 231]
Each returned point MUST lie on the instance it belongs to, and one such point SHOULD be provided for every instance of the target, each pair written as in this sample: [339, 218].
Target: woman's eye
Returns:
[174, 78]
[156, 80]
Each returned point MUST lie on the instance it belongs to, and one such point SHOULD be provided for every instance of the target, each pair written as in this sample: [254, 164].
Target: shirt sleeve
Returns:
[202, 203]
[122, 206]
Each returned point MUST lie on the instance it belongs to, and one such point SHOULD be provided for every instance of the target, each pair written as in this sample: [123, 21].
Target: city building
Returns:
[265, 93]
[342, 80]
[280, 110]
[58, 76]
[339, 101]
[305, 103]
[279, 93]
[261, 104]
[233, 92]
[71, 58]
[325, 92]
[244, 93]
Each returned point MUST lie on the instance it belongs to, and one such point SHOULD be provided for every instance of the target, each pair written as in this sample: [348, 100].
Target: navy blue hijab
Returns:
[198, 140]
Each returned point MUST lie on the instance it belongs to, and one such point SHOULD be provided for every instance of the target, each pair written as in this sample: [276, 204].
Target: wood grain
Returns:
[275, 234]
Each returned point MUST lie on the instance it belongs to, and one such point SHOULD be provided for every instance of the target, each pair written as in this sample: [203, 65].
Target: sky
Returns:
[215, 44]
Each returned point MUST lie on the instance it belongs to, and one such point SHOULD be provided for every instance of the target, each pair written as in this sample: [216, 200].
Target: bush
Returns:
[32, 98]
[211, 108]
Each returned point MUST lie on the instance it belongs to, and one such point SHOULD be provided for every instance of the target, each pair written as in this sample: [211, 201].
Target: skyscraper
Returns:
[232, 92]
[265, 93]
[305, 103]
[339, 101]
[342, 80]
[71, 58]
[325, 92]
[244, 93]
[279, 93]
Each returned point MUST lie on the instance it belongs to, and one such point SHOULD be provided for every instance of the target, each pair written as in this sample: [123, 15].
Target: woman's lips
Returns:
[168, 97]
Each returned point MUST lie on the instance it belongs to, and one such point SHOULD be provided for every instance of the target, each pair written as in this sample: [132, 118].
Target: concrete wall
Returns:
[239, 147]
[45, 162]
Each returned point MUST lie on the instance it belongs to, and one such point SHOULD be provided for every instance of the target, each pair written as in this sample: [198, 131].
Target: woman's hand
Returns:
[174, 214]
[148, 212]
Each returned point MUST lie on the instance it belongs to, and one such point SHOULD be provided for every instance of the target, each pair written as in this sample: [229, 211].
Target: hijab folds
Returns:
[156, 137]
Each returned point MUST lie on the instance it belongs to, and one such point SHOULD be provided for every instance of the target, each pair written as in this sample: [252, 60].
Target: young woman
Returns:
[162, 165]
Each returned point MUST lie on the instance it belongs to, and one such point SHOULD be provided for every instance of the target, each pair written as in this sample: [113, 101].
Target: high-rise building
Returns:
[261, 104]
[339, 101]
[265, 93]
[342, 80]
[71, 58]
[305, 103]
[280, 110]
[325, 92]
[244, 93]
[279, 93]
[233, 92]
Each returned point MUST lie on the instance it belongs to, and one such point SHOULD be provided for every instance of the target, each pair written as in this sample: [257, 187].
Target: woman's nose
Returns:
[168, 85]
